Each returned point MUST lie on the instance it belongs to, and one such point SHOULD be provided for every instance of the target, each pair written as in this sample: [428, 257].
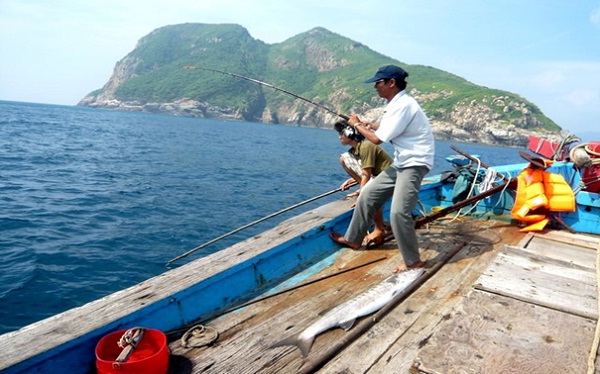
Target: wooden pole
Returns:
[254, 301]
[431, 217]
[308, 283]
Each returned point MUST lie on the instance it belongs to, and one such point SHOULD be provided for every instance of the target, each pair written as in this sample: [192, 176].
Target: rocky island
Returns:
[320, 65]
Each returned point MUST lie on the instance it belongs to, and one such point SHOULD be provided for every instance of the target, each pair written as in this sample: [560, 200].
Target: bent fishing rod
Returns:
[270, 86]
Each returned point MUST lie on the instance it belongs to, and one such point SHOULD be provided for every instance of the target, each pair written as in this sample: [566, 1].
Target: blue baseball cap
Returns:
[388, 72]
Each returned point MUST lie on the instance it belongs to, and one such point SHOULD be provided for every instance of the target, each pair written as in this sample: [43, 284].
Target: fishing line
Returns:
[254, 223]
[325, 277]
[270, 86]
[307, 283]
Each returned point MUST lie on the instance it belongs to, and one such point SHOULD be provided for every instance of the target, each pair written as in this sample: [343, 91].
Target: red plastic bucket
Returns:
[151, 356]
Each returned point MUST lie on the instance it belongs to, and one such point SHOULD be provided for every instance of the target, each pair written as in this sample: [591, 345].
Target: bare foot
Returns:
[404, 267]
[336, 237]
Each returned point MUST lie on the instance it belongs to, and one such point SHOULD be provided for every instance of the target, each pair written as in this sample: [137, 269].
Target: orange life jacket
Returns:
[539, 191]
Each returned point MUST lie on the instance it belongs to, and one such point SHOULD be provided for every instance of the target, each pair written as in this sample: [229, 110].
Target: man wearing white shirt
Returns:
[405, 125]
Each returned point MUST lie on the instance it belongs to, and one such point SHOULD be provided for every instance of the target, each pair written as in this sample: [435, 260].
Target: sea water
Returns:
[93, 201]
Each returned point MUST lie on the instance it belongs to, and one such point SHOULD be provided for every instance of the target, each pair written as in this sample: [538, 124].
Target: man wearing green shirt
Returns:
[363, 161]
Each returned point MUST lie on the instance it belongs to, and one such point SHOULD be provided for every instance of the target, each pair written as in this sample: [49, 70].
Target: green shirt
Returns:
[372, 156]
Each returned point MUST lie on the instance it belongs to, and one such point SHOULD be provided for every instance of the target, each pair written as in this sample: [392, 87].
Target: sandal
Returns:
[375, 242]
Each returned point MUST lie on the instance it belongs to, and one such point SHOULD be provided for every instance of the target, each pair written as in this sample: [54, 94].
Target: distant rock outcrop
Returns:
[319, 65]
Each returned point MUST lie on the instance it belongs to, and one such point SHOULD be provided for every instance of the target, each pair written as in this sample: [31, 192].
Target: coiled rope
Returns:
[588, 164]
[199, 336]
[559, 152]
[590, 151]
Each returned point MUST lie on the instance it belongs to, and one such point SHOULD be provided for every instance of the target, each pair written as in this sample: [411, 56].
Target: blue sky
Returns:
[547, 51]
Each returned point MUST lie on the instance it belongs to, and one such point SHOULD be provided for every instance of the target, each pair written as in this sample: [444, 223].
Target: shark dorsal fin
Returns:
[347, 325]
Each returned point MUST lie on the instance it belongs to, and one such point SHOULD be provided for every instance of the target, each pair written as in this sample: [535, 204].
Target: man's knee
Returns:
[401, 217]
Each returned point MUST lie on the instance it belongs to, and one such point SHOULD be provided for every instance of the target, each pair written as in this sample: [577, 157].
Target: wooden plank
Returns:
[524, 242]
[579, 240]
[544, 257]
[246, 335]
[542, 281]
[412, 330]
[574, 251]
[393, 343]
[494, 334]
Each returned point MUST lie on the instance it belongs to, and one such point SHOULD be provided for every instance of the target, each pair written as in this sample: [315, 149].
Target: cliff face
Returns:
[318, 65]
[477, 122]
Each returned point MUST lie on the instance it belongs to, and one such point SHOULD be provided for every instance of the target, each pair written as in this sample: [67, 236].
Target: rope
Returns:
[589, 150]
[199, 336]
[129, 341]
[586, 147]
[131, 337]
[499, 200]
[488, 180]
[480, 164]
[460, 213]
[485, 185]
[559, 152]
[588, 164]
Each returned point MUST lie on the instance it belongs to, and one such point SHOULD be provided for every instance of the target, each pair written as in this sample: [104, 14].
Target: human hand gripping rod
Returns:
[270, 86]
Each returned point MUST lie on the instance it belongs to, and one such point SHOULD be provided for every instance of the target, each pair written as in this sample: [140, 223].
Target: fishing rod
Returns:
[253, 223]
[270, 86]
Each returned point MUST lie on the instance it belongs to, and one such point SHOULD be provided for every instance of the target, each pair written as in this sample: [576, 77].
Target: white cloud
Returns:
[583, 97]
[547, 78]
[595, 17]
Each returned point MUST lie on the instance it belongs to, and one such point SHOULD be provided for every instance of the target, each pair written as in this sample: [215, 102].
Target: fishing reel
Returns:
[344, 129]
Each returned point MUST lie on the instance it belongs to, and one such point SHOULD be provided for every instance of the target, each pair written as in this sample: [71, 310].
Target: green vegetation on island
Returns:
[320, 65]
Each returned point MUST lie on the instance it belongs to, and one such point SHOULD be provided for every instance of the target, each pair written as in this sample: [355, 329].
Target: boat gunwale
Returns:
[147, 303]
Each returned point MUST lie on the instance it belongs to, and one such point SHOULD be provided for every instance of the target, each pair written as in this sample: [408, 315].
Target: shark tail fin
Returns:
[303, 344]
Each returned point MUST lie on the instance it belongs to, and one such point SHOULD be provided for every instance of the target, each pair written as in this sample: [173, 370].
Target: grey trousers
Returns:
[402, 185]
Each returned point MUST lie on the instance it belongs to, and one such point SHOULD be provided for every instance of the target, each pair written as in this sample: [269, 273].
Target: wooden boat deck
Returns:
[507, 302]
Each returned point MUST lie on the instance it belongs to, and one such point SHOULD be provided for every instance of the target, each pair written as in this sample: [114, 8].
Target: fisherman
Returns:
[405, 125]
[363, 161]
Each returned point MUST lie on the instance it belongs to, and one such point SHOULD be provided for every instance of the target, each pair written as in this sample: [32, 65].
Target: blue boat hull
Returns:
[202, 289]
[586, 218]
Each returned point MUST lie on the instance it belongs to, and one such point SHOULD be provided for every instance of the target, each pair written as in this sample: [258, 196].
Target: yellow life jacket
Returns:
[539, 191]
[530, 196]
[560, 195]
